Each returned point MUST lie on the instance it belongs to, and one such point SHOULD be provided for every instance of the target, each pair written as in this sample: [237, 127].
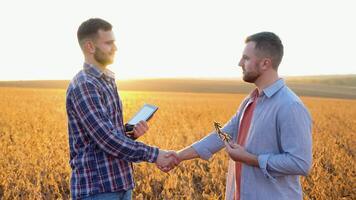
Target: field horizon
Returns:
[329, 86]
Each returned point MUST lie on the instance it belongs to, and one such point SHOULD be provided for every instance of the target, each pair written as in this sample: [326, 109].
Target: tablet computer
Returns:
[144, 114]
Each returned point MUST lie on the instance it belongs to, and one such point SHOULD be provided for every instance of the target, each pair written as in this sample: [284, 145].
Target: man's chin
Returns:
[109, 62]
[249, 79]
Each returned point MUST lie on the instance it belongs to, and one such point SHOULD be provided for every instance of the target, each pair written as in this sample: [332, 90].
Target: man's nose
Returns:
[240, 63]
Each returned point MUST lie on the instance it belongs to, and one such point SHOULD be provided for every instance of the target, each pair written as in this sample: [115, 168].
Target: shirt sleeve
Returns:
[88, 103]
[212, 143]
[294, 132]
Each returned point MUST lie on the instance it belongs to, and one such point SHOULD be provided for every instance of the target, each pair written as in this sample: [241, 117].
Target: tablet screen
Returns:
[144, 114]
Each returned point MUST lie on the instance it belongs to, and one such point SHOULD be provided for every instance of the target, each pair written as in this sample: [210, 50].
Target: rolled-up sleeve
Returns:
[212, 143]
[294, 132]
[87, 102]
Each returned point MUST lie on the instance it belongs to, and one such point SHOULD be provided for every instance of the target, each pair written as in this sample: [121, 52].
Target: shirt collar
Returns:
[254, 94]
[95, 71]
[272, 89]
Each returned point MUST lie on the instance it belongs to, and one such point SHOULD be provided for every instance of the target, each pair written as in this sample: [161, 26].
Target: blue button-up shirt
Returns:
[279, 135]
[100, 153]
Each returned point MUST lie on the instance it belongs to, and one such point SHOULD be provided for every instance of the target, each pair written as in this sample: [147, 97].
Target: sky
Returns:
[173, 39]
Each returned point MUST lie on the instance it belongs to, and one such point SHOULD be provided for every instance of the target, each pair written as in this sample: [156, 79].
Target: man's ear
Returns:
[89, 46]
[266, 63]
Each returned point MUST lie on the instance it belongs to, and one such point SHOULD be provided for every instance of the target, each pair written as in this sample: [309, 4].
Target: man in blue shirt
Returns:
[278, 145]
[101, 153]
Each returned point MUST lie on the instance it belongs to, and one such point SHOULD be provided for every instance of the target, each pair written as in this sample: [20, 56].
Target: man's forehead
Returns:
[106, 34]
[250, 45]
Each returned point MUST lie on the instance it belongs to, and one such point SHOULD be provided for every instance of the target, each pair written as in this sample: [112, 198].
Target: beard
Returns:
[103, 58]
[251, 76]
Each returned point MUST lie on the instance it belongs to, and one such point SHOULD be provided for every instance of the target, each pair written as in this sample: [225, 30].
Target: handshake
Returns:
[167, 160]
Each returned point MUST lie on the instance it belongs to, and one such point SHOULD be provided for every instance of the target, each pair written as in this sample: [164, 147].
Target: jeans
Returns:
[126, 195]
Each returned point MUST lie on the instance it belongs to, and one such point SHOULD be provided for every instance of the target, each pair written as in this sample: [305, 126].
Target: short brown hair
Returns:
[89, 29]
[269, 44]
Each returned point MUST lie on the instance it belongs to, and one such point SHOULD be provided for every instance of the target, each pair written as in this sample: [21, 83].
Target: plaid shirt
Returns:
[100, 153]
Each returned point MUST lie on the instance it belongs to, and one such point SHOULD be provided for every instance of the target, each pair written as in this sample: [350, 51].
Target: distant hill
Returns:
[336, 86]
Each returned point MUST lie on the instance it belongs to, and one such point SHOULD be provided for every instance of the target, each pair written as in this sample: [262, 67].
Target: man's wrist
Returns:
[152, 154]
[251, 159]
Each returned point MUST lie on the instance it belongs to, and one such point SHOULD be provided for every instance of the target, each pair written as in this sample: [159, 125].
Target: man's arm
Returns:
[93, 115]
[187, 153]
[296, 144]
[295, 131]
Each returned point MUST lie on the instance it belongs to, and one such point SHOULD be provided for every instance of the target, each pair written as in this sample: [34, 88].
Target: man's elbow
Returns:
[306, 168]
[305, 171]
[300, 166]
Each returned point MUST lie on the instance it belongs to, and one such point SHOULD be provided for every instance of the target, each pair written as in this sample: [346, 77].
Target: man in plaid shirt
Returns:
[100, 152]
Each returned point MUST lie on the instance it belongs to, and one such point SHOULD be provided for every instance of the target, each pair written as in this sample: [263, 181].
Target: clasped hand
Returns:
[167, 160]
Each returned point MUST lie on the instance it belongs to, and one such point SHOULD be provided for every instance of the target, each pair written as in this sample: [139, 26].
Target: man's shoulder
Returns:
[286, 95]
[79, 80]
[287, 100]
